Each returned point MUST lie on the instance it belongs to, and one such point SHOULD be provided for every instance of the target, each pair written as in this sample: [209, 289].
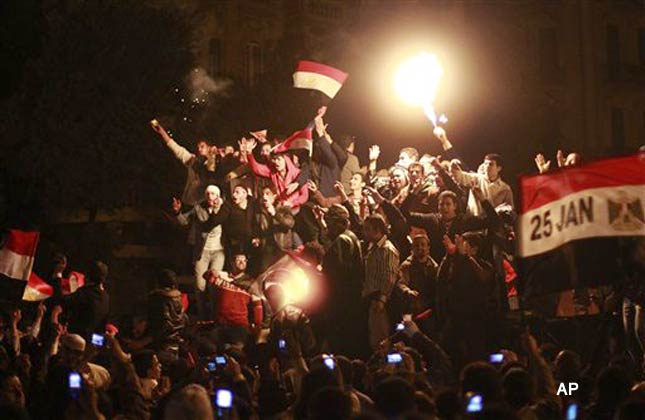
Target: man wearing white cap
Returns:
[208, 251]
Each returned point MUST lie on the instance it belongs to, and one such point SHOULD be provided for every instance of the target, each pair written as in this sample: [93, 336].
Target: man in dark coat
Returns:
[89, 307]
[166, 317]
[343, 270]
[464, 299]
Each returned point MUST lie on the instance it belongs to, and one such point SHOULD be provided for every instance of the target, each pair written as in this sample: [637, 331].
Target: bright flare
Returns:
[417, 80]
[296, 286]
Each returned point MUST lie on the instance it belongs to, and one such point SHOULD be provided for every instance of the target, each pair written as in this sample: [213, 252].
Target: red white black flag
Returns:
[16, 262]
[575, 223]
[300, 140]
[312, 75]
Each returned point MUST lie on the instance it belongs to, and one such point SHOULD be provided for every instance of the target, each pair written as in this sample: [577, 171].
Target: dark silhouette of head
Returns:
[394, 397]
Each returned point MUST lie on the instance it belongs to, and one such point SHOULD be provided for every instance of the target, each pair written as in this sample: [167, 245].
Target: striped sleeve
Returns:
[381, 271]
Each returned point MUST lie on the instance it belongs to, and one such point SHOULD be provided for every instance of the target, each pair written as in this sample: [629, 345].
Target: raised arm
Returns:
[325, 155]
[339, 152]
[38, 320]
[257, 168]
[182, 218]
[16, 316]
[179, 151]
[432, 353]
[321, 199]
[463, 178]
[539, 370]
[441, 135]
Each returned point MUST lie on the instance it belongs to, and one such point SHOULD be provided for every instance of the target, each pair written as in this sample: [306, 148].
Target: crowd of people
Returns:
[405, 272]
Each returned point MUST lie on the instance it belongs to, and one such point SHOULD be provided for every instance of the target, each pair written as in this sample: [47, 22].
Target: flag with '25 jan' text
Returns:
[579, 226]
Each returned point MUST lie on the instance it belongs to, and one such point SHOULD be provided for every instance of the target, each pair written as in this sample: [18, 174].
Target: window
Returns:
[253, 63]
[549, 60]
[617, 129]
[325, 9]
[215, 47]
[613, 51]
[641, 46]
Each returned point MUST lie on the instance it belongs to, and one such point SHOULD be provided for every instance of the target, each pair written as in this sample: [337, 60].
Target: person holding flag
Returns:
[87, 309]
[328, 158]
[282, 172]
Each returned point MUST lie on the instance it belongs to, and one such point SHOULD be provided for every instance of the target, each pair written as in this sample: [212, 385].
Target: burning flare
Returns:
[417, 80]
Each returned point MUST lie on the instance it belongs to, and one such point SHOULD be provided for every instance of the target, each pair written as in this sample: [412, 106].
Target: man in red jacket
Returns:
[233, 297]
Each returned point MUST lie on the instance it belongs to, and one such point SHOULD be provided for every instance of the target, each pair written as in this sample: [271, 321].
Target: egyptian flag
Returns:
[300, 140]
[578, 226]
[326, 79]
[37, 289]
[16, 262]
[260, 135]
[74, 281]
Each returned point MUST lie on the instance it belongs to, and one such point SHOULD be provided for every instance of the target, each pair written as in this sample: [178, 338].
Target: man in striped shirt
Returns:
[381, 270]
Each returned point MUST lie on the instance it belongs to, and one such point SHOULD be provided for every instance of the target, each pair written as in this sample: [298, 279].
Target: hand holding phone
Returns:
[98, 340]
[223, 398]
[75, 382]
[394, 358]
[329, 362]
[497, 358]
[474, 404]
[572, 411]
[282, 345]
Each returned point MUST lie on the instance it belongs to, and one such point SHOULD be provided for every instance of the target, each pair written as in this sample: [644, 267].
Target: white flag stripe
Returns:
[32, 295]
[583, 214]
[14, 265]
[309, 80]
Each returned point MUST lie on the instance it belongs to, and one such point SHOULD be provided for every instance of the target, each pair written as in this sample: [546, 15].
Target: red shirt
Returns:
[233, 303]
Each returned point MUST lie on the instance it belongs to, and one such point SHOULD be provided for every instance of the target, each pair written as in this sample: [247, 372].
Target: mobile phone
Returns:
[394, 358]
[572, 411]
[223, 398]
[220, 361]
[329, 362]
[282, 344]
[400, 326]
[98, 340]
[74, 381]
[474, 404]
[211, 366]
[496, 358]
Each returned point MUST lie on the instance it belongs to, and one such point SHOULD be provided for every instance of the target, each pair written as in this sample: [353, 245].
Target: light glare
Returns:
[417, 79]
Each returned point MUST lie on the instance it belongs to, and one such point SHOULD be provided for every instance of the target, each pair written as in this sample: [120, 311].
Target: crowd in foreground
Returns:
[411, 267]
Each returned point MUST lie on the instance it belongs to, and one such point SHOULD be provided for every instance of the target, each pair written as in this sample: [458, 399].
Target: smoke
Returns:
[201, 86]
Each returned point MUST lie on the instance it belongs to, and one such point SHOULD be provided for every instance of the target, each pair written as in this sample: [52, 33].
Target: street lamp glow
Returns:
[417, 79]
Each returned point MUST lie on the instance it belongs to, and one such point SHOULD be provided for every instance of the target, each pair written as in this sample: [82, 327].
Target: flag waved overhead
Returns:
[312, 75]
[299, 140]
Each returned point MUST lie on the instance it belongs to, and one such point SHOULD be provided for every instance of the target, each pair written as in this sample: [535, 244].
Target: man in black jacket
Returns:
[464, 290]
[166, 317]
[89, 306]
[343, 270]
[449, 221]
[328, 157]
[238, 217]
